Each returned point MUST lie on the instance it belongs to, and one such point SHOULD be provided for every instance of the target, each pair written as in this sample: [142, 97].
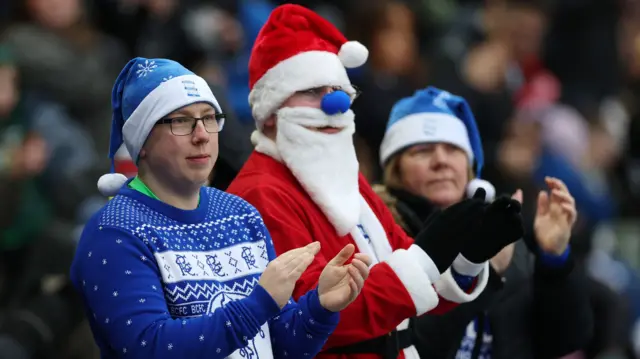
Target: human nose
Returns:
[200, 134]
[439, 155]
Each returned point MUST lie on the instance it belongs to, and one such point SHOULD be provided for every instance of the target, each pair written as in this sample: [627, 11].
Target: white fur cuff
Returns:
[448, 288]
[422, 258]
[465, 267]
[415, 280]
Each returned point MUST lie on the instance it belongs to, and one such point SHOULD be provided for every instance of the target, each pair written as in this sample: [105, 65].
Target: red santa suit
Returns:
[307, 187]
[397, 288]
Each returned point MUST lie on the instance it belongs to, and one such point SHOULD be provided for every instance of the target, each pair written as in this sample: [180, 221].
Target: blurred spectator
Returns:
[34, 250]
[488, 57]
[227, 32]
[630, 49]
[551, 139]
[63, 57]
[582, 50]
[562, 144]
[148, 28]
[24, 212]
[394, 70]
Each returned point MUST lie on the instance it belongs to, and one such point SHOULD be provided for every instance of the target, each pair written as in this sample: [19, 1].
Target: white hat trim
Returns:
[303, 71]
[169, 96]
[425, 127]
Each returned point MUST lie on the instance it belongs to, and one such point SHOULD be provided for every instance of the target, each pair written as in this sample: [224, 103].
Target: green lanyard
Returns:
[139, 186]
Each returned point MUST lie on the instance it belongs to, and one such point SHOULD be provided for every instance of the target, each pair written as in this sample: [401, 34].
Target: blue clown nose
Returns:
[335, 102]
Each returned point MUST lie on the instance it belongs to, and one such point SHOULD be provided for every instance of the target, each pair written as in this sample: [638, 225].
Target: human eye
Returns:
[314, 91]
[209, 118]
[182, 121]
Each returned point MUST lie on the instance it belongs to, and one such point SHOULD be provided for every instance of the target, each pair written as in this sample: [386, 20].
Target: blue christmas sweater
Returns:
[160, 282]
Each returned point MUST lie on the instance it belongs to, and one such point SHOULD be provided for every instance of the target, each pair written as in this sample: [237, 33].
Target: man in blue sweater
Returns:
[172, 269]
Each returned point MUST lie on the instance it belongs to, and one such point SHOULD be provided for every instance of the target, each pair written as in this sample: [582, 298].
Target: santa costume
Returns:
[307, 187]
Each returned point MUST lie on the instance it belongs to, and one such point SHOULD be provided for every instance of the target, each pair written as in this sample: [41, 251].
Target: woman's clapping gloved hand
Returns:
[500, 225]
[447, 231]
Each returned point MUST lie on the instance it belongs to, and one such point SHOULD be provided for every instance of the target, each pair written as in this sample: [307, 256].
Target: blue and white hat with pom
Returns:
[145, 91]
[433, 115]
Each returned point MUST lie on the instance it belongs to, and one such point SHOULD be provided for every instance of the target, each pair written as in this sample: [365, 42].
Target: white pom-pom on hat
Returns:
[476, 183]
[110, 184]
[353, 54]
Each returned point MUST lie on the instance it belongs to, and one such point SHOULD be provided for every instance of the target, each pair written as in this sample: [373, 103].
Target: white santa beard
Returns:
[325, 164]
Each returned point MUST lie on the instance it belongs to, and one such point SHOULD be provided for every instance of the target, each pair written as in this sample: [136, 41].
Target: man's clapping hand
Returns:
[340, 283]
[279, 279]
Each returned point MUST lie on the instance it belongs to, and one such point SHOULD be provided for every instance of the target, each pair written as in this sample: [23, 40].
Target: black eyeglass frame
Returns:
[357, 93]
[220, 119]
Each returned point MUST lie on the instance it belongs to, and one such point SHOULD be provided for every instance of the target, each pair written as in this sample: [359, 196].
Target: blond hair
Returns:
[391, 176]
[391, 202]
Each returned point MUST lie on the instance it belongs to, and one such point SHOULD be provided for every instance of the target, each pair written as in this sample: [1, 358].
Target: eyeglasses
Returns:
[183, 126]
[319, 92]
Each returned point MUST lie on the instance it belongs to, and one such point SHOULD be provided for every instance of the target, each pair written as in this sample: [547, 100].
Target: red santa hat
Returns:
[297, 50]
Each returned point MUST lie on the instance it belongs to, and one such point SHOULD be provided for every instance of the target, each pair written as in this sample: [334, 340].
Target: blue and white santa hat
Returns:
[433, 115]
[146, 91]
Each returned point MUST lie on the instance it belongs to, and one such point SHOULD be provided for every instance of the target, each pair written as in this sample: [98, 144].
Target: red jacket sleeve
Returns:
[384, 301]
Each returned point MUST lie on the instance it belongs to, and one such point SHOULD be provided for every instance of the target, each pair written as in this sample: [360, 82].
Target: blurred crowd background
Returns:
[555, 87]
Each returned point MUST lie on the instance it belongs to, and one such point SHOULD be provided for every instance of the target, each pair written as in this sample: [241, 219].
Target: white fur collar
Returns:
[265, 145]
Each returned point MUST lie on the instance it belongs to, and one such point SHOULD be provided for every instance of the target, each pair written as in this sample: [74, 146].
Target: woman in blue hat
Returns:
[432, 158]
[170, 268]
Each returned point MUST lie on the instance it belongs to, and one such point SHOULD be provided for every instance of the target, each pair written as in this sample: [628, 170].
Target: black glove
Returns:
[447, 231]
[500, 225]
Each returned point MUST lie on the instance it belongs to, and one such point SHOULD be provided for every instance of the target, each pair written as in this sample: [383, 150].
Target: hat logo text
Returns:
[190, 88]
